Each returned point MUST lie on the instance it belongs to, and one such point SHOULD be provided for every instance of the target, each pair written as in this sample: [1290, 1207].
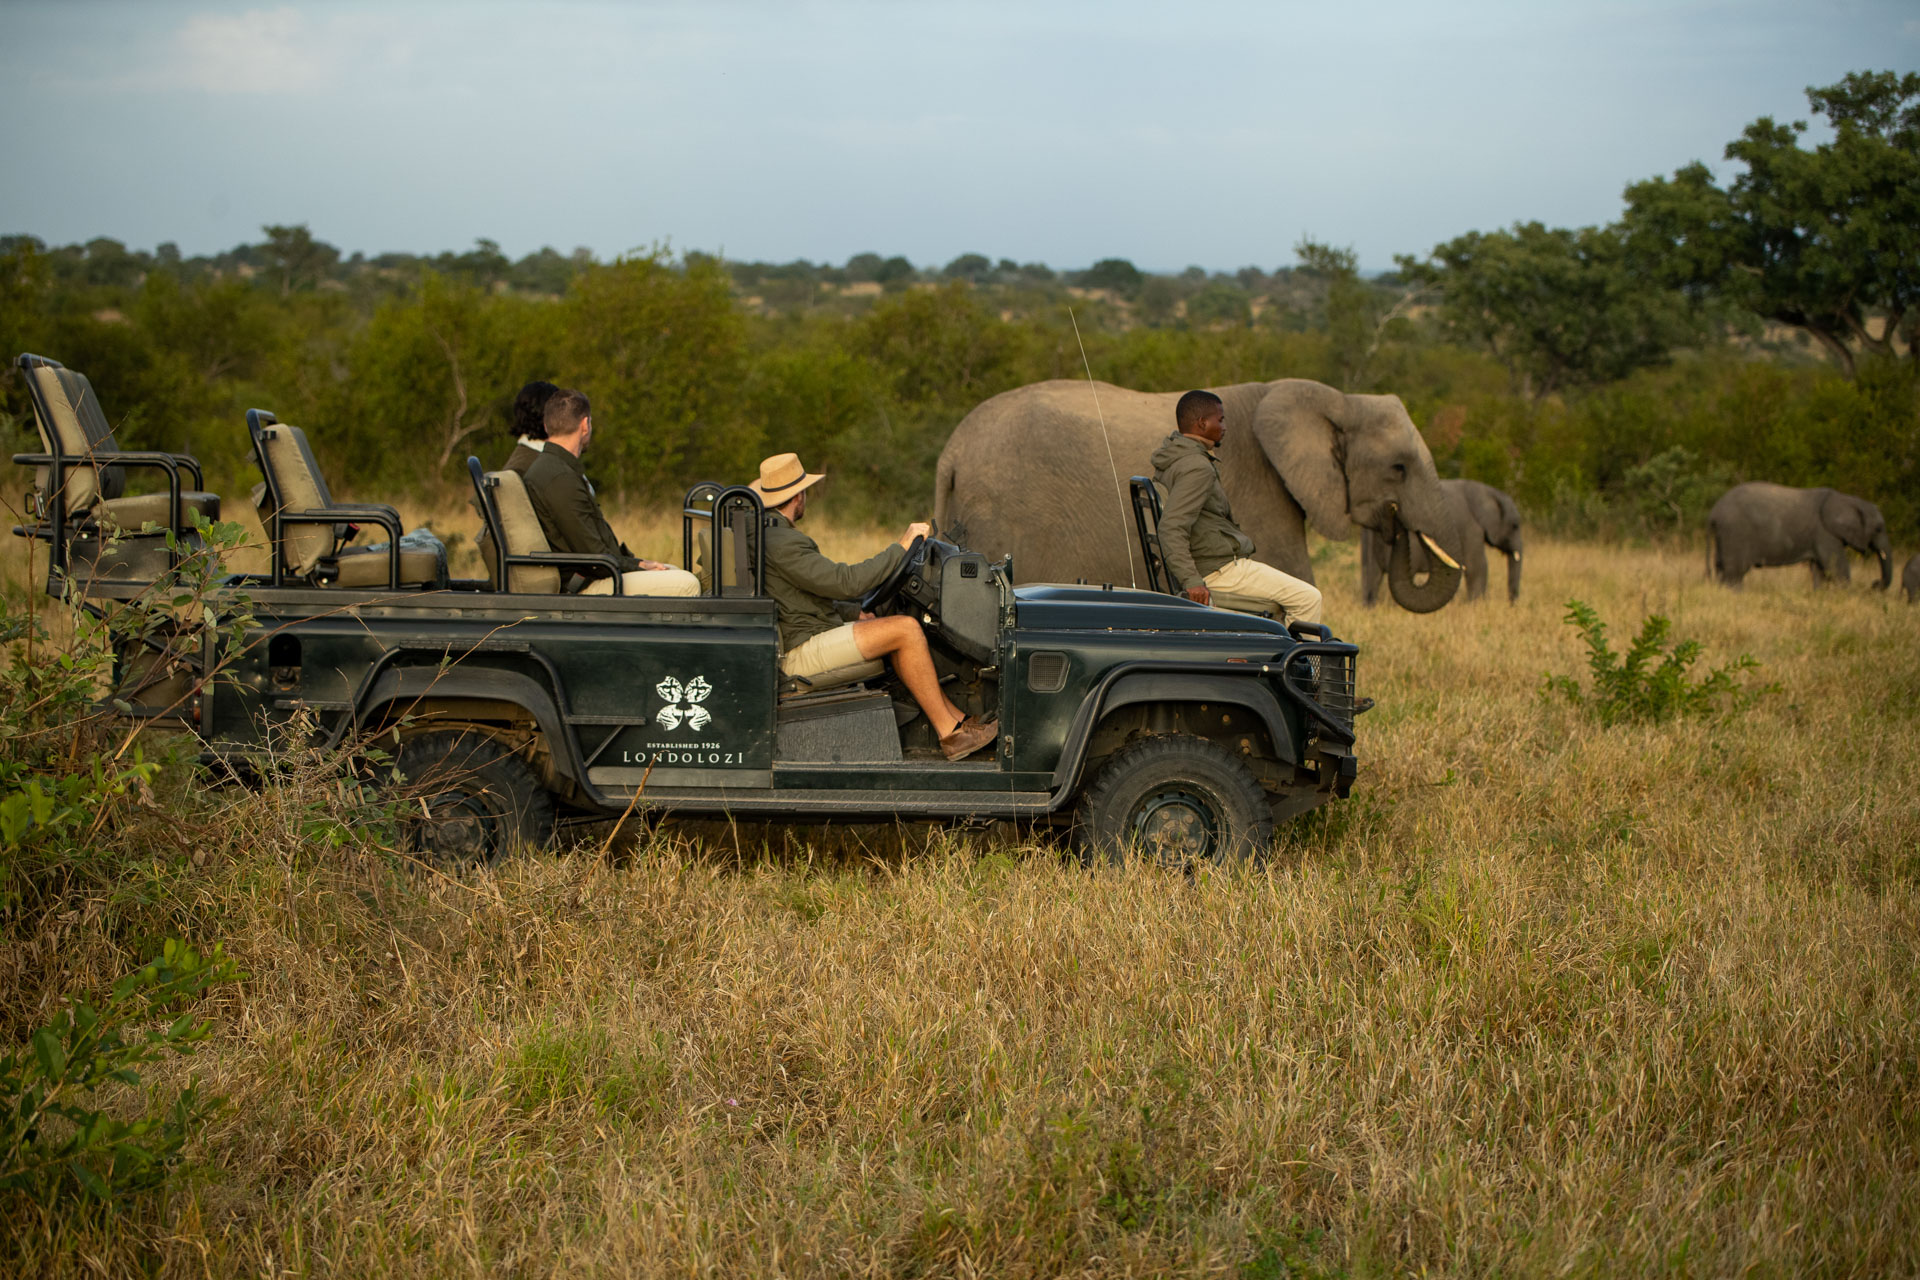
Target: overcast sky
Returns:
[1168, 133]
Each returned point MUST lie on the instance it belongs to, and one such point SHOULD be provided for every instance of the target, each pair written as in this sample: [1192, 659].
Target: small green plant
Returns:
[55, 1142]
[1650, 683]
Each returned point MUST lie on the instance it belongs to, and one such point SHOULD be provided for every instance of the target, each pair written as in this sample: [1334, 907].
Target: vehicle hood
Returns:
[1047, 607]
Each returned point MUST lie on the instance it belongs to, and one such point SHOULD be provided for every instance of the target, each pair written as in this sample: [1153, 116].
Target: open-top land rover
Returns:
[1137, 717]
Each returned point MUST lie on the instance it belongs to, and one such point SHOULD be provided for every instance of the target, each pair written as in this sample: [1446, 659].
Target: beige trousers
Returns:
[648, 582]
[828, 651]
[1298, 601]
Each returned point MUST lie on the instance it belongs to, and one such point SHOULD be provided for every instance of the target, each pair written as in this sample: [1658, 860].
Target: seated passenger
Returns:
[1205, 550]
[804, 584]
[562, 498]
[529, 425]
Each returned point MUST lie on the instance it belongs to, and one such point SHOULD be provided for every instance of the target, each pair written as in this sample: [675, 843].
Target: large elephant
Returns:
[1760, 525]
[1481, 517]
[1032, 473]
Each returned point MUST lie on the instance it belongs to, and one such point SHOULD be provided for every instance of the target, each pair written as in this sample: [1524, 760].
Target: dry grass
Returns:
[1541, 998]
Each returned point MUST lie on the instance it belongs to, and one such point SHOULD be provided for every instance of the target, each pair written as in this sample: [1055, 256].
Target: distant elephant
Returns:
[1761, 525]
[1483, 517]
[1032, 473]
[1910, 580]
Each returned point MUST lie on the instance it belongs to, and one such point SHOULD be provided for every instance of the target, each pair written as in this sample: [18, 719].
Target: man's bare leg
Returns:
[900, 639]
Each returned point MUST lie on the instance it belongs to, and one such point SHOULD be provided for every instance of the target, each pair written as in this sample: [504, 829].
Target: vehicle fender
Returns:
[413, 684]
[1247, 691]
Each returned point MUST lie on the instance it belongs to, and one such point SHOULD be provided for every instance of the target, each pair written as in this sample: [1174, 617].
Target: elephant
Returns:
[1040, 473]
[1910, 580]
[1759, 525]
[1483, 517]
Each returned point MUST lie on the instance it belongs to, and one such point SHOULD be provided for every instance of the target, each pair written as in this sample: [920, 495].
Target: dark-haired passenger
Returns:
[1205, 550]
[529, 424]
[570, 516]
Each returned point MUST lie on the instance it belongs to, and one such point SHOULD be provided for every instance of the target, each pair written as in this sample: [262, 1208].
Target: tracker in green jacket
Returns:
[1197, 532]
[805, 583]
[557, 485]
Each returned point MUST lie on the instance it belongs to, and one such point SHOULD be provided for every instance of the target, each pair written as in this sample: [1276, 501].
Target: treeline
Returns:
[1614, 378]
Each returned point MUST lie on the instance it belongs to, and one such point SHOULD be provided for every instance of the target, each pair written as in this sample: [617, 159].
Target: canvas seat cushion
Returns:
[367, 567]
[521, 532]
[1240, 604]
[156, 508]
[834, 678]
[300, 487]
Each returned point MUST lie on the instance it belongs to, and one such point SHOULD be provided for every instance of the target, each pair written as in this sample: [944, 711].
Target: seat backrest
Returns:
[521, 534]
[1146, 519]
[295, 478]
[73, 426]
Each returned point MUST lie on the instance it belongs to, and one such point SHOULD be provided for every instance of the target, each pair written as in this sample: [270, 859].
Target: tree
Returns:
[1219, 305]
[894, 274]
[297, 258]
[1825, 240]
[971, 267]
[1560, 308]
[1117, 274]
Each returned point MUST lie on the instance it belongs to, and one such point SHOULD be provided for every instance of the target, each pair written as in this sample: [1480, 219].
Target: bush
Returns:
[1634, 688]
[54, 1143]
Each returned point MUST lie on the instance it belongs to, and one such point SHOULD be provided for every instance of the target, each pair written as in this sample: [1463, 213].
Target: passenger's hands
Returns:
[918, 530]
[651, 565]
[1199, 594]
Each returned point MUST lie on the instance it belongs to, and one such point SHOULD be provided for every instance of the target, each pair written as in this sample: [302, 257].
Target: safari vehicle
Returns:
[1138, 718]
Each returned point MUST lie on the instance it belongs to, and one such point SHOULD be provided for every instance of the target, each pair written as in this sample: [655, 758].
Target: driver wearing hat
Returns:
[804, 584]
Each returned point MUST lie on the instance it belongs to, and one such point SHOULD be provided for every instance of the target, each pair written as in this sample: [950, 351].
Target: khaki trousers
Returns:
[648, 582]
[1298, 601]
[828, 651]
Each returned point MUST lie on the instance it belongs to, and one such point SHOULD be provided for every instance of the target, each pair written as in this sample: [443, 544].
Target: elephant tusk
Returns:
[1437, 550]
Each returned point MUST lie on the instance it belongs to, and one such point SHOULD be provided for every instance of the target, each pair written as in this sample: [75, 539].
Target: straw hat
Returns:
[781, 478]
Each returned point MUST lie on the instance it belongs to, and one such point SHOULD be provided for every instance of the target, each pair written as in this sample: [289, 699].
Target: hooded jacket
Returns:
[1197, 533]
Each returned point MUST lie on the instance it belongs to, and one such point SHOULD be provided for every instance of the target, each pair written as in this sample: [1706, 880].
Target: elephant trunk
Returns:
[1442, 577]
[1513, 568]
[1886, 569]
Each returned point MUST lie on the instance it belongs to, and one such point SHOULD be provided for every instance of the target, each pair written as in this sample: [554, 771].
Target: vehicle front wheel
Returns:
[465, 799]
[1175, 800]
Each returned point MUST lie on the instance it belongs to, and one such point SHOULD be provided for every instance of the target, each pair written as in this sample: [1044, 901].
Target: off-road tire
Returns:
[1176, 800]
[465, 800]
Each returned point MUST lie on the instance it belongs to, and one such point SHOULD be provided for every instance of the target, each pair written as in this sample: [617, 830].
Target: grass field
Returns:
[1541, 998]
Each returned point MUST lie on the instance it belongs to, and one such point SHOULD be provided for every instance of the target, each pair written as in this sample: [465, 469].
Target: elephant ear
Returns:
[1298, 428]
[1846, 516]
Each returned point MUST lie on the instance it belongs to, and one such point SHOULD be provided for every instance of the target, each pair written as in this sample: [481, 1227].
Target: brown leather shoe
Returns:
[968, 737]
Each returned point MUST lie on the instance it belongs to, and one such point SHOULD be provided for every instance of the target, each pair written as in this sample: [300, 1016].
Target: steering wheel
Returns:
[913, 562]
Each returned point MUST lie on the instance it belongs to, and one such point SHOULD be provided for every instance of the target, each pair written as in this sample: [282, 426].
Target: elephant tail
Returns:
[947, 521]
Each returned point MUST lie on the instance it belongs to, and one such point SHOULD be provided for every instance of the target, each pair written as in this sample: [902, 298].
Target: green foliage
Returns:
[69, 774]
[1636, 687]
[60, 1138]
[1826, 240]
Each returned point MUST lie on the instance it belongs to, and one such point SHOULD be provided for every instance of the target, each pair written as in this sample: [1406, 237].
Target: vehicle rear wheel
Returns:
[1175, 800]
[466, 800]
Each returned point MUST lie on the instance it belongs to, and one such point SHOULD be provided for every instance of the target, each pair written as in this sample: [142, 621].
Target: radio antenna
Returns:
[1118, 495]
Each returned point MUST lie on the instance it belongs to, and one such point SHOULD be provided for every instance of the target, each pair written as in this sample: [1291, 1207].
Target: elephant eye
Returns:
[1399, 471]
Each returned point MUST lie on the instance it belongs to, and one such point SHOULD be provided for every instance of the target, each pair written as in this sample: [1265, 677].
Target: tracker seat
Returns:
[1146, 519]
[308, 532]
[531, 565]
[838, 677]
[80, 476]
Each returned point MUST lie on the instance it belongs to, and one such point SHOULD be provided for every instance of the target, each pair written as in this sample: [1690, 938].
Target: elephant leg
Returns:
[1373, 567]
[1475, 565]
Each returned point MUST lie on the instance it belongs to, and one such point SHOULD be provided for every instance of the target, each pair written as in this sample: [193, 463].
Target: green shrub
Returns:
[1650, 683]
[55, 1142]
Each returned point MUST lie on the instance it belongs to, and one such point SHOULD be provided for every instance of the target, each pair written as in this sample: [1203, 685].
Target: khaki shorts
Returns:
[648, 582]
[828, 651]
[1298, 601]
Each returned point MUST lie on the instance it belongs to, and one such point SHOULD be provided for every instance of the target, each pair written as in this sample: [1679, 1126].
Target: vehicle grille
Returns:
[1327, 678]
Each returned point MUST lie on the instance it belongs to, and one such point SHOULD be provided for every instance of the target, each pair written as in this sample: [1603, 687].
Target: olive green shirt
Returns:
[805, 583]
[1197, 532]
[557, 485]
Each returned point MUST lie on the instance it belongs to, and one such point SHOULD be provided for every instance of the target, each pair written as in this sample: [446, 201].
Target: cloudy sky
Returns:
[1168, 133]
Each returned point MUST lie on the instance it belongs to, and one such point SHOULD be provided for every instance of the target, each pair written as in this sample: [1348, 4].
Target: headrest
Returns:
[521, 532]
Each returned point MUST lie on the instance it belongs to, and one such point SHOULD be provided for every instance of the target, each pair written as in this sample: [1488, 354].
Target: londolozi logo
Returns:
[683, 703]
